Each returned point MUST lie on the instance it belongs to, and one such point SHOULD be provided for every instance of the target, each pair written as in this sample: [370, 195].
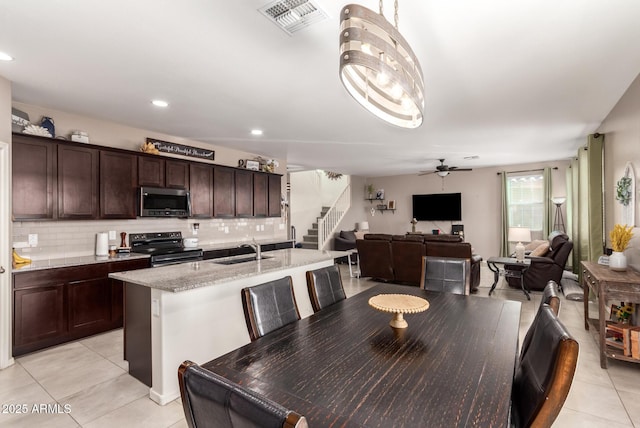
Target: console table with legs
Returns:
[608, 285]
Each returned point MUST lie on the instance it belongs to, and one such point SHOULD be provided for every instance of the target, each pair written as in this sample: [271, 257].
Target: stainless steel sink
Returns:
[241, 260]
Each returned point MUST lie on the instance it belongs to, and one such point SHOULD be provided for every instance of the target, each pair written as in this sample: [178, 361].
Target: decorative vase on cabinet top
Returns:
[618, 261]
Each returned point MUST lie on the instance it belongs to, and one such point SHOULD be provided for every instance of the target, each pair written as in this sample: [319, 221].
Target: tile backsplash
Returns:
[61, 239]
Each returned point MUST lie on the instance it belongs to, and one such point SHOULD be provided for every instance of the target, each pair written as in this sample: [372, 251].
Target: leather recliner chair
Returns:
[546, 268]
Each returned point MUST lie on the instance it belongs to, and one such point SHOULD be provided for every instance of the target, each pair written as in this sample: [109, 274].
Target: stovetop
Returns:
[164, 248]
[158, 243]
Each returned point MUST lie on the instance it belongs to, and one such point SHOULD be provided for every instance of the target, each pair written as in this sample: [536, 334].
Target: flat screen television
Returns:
[437, 206]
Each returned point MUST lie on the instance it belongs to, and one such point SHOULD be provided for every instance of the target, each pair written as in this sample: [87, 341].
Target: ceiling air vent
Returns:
[293, 15]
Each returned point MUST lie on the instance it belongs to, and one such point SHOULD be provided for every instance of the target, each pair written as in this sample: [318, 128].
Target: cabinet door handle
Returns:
[1, 269]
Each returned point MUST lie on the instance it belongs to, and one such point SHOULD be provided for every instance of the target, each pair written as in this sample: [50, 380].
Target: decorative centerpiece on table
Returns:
[620, 237]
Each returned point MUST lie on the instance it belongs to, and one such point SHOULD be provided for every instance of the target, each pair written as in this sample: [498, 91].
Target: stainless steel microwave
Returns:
[161, 202]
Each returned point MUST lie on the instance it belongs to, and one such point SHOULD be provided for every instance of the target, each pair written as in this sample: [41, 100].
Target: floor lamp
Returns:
[558, 223]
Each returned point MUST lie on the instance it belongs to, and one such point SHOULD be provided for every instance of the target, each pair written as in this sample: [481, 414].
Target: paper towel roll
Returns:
[102, 244]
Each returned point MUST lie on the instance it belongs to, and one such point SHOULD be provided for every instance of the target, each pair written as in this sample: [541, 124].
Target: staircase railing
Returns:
[328, 224]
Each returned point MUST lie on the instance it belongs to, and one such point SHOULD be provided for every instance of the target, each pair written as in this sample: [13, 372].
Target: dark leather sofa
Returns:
[398, 258]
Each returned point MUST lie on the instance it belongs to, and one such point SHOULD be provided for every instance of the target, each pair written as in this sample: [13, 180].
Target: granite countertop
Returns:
[74, 261]
[227, 245]
[91, 259]
[187, 276]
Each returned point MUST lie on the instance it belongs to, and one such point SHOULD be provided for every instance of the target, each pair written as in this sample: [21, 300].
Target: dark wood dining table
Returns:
[345, 366]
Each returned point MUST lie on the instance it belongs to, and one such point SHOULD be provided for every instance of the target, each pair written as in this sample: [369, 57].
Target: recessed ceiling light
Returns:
[160, 103]
[5, 57]
[256, 132]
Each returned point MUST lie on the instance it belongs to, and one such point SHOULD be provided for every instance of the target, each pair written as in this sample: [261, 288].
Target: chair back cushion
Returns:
[561, 254]
[450, 275]
[269, 306]
[325, 287]
[545, 373]
[407, 261]
[210, 400]
[349, 235]
[550, 298]
[375, 258]
[460, 250]
[378, 236]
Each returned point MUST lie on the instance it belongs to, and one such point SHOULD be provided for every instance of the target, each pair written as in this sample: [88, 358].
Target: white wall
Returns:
[5, 224]
[622, 145]
[112, 134]
[481, 196]
[310, 191]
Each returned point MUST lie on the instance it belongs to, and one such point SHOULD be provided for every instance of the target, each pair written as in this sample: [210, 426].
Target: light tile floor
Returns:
[98, 392]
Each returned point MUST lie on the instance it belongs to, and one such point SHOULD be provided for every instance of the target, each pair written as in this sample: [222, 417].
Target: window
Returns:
[525, 198]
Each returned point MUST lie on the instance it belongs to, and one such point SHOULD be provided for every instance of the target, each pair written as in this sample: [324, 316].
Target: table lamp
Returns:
[363, 225]
[519, 234]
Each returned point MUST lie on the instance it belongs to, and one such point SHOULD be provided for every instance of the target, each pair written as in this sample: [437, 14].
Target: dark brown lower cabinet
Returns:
[89, 304]
[39, 315]
[54, 306]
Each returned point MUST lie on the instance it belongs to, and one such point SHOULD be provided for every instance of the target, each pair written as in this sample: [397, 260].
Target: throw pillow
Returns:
[541, 250]
[360, 234]
[349, 235]
[534, 244]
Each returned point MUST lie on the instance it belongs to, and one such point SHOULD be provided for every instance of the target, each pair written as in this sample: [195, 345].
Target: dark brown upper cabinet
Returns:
[55, 179]
[201, 188]
[150, 171]
[260, 195]
[275, 189]
[224, 195]
[118, 184]
[158, 172]
[177, 174]
[244, 193]
[77, 182]
[34, 192]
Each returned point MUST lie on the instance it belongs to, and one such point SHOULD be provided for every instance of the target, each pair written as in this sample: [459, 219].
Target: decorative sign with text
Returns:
[180, 149]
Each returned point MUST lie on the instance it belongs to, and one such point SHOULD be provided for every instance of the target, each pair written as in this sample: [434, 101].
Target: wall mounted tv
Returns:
[437, 206]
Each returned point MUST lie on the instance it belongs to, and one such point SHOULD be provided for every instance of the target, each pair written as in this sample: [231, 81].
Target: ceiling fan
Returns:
[443, 170]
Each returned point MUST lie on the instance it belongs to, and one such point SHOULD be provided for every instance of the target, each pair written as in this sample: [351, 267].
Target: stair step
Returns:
[312, 232]
[309, 245]
[310, 238]
[314, 226]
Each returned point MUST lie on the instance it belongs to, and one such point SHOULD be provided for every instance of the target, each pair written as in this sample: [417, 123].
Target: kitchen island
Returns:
[194, 311]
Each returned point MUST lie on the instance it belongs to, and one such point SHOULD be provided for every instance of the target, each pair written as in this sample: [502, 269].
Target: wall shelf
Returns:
[382, 210]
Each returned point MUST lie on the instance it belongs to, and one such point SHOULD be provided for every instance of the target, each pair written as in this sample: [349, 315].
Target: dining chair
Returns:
[325, 287]
[550, 296]
[212, 401]
[446, 274]
[269, 306]
[545, 372]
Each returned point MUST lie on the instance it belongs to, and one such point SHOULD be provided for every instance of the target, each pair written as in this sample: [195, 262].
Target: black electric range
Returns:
[164, 248]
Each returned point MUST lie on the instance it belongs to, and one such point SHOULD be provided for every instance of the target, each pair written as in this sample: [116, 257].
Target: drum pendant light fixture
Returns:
[378, 67]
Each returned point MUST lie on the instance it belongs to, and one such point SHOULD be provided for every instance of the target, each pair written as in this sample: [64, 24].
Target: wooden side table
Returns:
[607, 284]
